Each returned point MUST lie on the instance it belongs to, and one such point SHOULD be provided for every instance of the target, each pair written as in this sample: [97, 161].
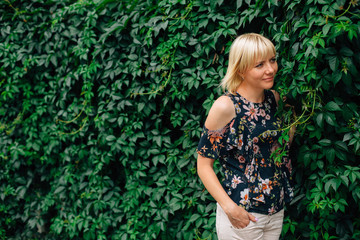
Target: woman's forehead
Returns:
[265, 57]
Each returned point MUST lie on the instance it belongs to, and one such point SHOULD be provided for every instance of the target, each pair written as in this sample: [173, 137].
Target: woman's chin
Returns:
[268, 85]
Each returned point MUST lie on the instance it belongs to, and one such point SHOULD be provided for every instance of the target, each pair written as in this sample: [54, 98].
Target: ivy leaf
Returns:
[110, 138]
[133, 57]
[295, 48]
[319, 120]
[345, 180]
[325, 142]
[333, 62]
[332, 106]
[345, 51]
[330, 155]
[194, 218]
[334, 183]
[141, 106]
[330, 119]
[59, 190]
[326, 28]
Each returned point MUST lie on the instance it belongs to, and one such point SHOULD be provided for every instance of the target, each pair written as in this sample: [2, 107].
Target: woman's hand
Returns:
[238, 216]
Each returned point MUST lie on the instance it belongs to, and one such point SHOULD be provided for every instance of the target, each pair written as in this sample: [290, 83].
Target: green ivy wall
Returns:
[102, 104]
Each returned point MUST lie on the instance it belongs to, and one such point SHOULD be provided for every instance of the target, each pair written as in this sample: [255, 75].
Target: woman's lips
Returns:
[268, 79]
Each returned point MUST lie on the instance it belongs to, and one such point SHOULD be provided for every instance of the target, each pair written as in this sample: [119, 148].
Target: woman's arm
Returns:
[237, 215]
[220, 114]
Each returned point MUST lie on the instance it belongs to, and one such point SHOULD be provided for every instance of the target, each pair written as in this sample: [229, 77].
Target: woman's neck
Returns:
[251, 94]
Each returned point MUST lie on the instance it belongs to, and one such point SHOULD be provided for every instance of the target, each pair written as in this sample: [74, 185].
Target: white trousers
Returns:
[268, 227]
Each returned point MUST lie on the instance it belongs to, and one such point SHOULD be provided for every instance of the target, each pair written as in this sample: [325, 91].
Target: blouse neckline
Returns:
[255, 103]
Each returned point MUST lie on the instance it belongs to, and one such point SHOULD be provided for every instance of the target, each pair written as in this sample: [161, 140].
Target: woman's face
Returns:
[261, 74]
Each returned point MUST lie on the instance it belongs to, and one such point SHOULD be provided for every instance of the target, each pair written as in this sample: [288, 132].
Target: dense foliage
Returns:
[102, 104]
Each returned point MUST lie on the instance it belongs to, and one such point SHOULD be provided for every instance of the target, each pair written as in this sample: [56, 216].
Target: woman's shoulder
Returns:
[221, 113]
[224, 104]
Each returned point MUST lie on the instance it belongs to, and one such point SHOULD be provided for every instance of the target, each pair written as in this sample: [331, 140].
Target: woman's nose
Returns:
[270, 68]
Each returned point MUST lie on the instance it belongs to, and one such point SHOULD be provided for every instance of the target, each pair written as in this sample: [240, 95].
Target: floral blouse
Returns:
[244, 148]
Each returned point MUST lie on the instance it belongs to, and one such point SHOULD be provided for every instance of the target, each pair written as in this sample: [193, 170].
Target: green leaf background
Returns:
[102, 104]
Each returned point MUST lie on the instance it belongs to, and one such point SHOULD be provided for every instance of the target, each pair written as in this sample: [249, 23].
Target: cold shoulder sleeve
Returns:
[230, 140]
[212, 143]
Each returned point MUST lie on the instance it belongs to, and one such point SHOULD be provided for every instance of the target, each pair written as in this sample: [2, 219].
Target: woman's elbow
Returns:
[203, 165]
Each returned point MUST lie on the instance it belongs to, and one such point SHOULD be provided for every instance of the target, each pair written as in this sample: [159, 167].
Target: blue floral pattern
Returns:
[244, 148]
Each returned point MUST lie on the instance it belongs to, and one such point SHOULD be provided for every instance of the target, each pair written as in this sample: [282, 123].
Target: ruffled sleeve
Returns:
[212, 143]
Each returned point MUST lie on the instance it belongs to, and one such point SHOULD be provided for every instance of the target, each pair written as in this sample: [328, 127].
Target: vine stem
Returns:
[183, 17]
[10, 5]
[157, 90]
[162, 87]
[75, 132]
[346, 11]
[76, 117]
[15, 9]
[302, 115]
[296, 122]
[282, 149]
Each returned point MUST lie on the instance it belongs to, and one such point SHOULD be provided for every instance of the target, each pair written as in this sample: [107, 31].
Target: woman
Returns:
[242, 131]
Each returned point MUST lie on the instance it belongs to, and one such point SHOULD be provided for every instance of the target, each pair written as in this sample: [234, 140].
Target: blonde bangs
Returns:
[255, 51]
[245, 51]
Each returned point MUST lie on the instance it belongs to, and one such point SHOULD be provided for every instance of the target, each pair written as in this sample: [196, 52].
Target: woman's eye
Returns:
[259, 65]
[273, 60]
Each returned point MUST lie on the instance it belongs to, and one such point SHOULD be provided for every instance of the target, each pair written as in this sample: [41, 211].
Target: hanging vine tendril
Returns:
[289, 129]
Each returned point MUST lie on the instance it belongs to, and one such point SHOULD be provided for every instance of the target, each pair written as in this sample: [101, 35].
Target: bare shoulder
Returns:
[277, 96]
[221, 112]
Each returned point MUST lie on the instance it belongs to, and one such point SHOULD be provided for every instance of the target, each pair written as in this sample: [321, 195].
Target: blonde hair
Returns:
[244, 51]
